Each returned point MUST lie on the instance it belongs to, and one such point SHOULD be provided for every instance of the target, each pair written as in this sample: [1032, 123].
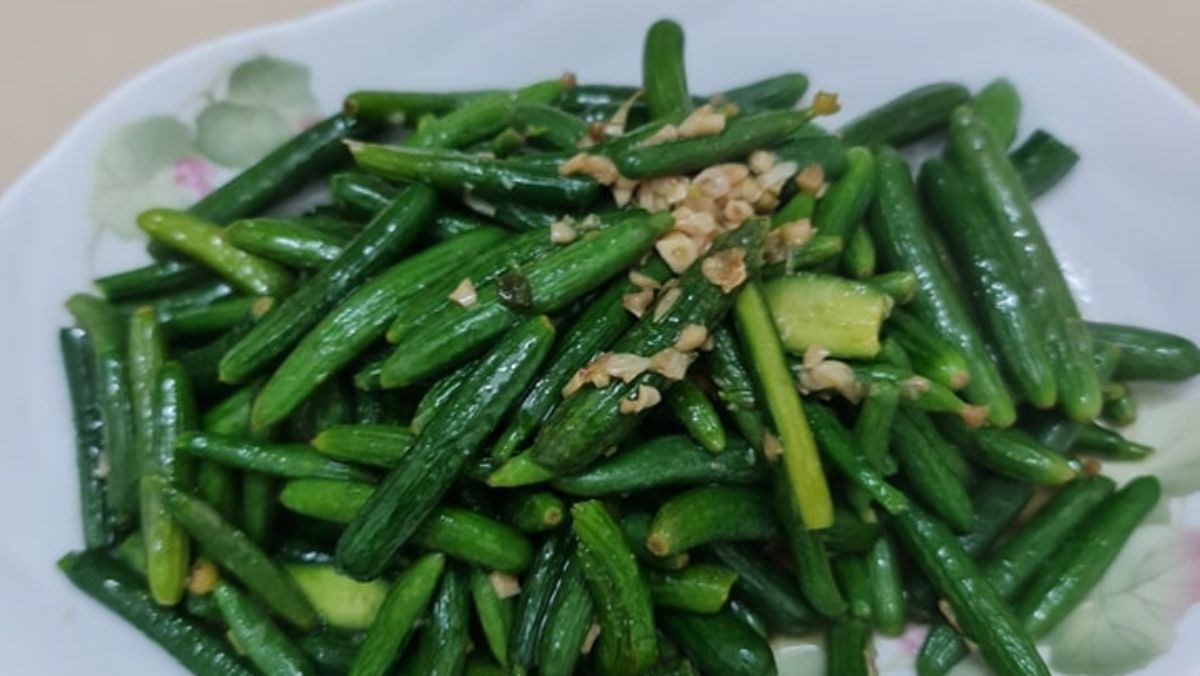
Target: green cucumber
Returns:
[537, 589]
[569, 616]
[78, 363]
[404, 605]
[906, 117]
[711, 514]
[766, 588]
[698, 588]
[411, 491]
[999, 105]
[664, 79]
[495, 613]
[836, 315]
[1043, 161]
[719, 643]
[694, 410]
[662, 462]
[341, 602]
[259, 638]
[1147, 354]
[376, 445]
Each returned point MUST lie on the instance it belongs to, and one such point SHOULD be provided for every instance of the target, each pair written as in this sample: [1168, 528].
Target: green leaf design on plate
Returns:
[267, 100]
[1129, 618]
[275, 84]
[236, 135]
[135, 169]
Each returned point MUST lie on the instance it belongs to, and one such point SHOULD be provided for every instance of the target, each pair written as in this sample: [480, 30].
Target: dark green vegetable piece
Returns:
[294, 461]
[267, 647]
[286, 241]
[484, 177]
[848, 648]
[980, 613]
[662, 462]
[931, 356]
[168, 550]
[767, 588]
[103, 326]
[203, 241]
[443, 642]
[439, 394]
[838, 446]
[405, 604]
[906, 242]
[1011, 453]
[847, 199]
[495, 613]
[627, 642]
[850, 571]
[719, 643]
[711, 514]
[901, 285]
[597, 327]
[906, 117]
[550, 126]
[1147, 354]
[849, 533]
[994, 282]
[78, 363]
[396, 107]
[697, 414]
[698, 588]
[636, 526]
[366, 444]
[1042, 161]
[122, 591]
[361, 319]
[1066, 337]
[537, 588]
[534, 512]
[735, 388]
[384, 237]
[918, 392]
[151, 280]
[813, 571]
[410, 492]
[330, 649]
[930, 477]
[1079, 562]
[317, 150]
[776, 92]
[999, 105]
[240, 557]
[743, 134]
[873, 425]
[569, 614]
[220, 316]
[362, 195]
[1120, 406]
[556, 280]
[1018, 558]
[1101, 441]
[664, 77]
[886, 587]
[475, 538]
[859, 259]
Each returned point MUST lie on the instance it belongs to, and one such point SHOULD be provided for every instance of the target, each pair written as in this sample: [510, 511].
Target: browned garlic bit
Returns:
[202, 578]
[623, 190]
[772, 449]
[818, 374]
[678, 250]
[737, 212]
[505, 585]
[646, 397]
[786, 238]
[643, 281]
[464, 294]
[665, 301]
[726, 269]
[562, 231]
[666, 134]
[719, 180]
[598, 167]
[703, 121]
[914, 387]
[825, 103]
[625, 366]
[691, 338]
[616, 124]
[590, 639]
[761, 161]
[671, 363]
[811, 179]
[662, 193]
[773, 179]
[638, 302]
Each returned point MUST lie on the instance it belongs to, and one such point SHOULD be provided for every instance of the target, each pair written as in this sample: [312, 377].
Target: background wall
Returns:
[58, 57]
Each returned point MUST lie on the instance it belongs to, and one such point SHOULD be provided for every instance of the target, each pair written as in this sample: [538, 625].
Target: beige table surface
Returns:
[58, 57]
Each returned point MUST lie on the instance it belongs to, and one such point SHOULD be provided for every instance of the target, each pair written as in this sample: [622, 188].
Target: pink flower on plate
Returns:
[195, 175]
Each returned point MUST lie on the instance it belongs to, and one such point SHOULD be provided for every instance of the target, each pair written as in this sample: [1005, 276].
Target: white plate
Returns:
[1124, 224]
